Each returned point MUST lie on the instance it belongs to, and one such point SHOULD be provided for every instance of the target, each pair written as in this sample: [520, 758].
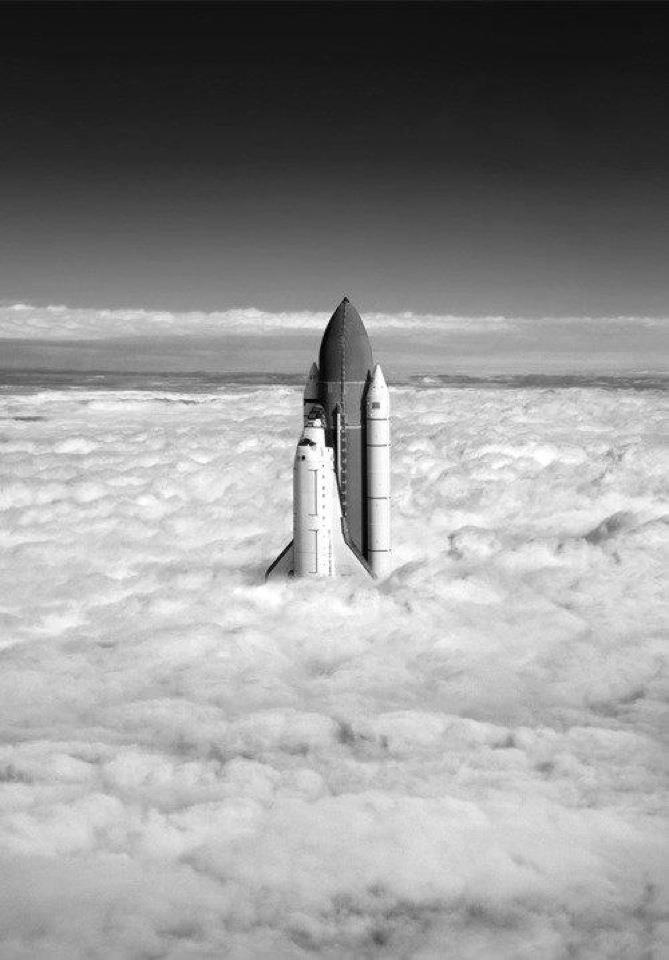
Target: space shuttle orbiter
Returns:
[341, 472]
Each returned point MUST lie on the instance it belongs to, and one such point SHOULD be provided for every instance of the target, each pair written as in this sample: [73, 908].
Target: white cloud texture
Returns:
[24, 321]
[461, 762]
[61, 322]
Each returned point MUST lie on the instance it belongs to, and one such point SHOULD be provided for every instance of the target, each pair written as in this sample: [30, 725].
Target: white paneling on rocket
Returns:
[341, 474]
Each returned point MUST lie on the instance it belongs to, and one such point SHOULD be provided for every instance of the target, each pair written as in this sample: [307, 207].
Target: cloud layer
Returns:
[24, 321]
[463, 761]
[61, 322]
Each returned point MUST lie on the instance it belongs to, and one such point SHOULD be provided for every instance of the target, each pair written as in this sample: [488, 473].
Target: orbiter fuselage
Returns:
[341, 477]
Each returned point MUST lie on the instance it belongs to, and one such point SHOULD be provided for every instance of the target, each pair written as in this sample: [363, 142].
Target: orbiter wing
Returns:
[348, 561]
[283, 565]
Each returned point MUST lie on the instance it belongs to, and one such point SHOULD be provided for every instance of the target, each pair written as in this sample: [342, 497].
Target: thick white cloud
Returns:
[25, 321]
[463, 761]
[61, 322]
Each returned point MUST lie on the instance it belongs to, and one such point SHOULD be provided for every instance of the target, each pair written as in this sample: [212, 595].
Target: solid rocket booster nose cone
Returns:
[311, 386]
[378, 380]
[345, 351]
[378, 397]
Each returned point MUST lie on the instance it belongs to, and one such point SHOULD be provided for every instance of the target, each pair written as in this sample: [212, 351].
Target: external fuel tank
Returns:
[344, 364]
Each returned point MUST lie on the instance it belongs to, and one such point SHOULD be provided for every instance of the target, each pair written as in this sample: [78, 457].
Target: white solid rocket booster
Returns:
[313, 477]
[378, 474]
[311, 391]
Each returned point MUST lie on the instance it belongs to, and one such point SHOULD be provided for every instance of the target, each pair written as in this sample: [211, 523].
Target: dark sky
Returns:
[466, 158]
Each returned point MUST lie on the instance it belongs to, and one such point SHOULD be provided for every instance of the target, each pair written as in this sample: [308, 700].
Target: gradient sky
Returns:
[478, 158]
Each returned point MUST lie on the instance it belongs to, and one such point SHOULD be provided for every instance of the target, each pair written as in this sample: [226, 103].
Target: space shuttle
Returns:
[341, 471]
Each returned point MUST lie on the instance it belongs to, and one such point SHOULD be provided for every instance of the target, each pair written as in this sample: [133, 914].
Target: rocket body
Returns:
[312, 504]
[341, 477]
[345, 361]
[311, 392]
[378, 474]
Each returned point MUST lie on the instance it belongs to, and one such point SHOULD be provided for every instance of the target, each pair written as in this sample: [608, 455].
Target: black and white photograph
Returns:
[334, 480]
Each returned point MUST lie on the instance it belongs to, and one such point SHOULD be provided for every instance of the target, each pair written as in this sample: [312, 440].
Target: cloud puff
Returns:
[24, 321]
[465, 757]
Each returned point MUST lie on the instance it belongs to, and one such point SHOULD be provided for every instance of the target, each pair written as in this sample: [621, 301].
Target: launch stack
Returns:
[341, 472]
